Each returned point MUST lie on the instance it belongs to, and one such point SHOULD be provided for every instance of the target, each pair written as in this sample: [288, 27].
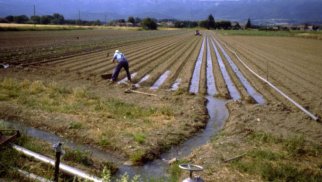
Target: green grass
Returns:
[79, 157]
[279, 159]
[52, 98]
[139, 137]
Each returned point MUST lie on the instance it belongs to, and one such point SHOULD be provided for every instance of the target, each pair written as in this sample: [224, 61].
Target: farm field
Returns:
[60, 90]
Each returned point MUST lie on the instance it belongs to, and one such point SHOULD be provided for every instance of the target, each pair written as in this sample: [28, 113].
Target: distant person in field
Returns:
[122, 63]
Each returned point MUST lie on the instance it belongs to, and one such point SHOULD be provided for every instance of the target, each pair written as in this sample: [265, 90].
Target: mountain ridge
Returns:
[234, 10]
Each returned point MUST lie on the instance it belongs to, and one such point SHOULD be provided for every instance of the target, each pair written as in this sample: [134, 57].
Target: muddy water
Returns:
[194, 86]
[251, 91]
[230, 85]
[160, 81]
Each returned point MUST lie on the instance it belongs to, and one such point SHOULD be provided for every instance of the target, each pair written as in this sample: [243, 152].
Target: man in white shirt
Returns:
[122, 63]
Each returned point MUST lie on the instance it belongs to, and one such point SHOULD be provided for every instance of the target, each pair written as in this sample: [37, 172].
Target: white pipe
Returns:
[275, 88]
[32, 176]
[63, 167]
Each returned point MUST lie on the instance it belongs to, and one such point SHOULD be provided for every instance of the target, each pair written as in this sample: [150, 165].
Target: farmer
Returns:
[122, 63]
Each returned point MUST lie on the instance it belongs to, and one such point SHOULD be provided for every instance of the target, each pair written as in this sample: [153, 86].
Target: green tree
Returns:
[20, 19]
[203, 23]
[9, 18]
[35, 19]
[138, 20]
[211, 22]
[46, 19]
[149, 24]
[131, 20]
[248, 24]
[57, 19]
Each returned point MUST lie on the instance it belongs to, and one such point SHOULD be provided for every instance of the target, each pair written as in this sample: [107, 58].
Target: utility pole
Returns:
[34, 16]
[79, 17]
[105, 20]
[266, 70]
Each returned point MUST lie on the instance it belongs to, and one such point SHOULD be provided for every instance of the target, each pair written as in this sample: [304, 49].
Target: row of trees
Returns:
[210, 23]
[147, 23]
[55, 19]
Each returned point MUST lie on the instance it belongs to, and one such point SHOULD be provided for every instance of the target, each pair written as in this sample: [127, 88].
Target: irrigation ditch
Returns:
[155, 68]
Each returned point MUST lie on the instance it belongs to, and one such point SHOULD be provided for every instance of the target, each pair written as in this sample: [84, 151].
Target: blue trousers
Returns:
[122, 64]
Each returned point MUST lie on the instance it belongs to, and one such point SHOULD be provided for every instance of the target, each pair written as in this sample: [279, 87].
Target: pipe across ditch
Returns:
[62, 166]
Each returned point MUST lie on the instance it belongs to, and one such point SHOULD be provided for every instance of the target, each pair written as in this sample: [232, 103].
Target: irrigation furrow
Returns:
[100, 60]
[124, 80]
[149, 65]
[176, 84]
[174, 61]
[187, 65]
[160, 81]
[276, 69]
[251, 91]
[271, 60]
[145, 78]
[145, 57]
[211, 84]
[234, 93]
[120, 43]
[146, 60]
[194, 86]
[175, 80]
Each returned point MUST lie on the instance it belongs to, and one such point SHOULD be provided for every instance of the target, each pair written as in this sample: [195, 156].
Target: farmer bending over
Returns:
[122, 63]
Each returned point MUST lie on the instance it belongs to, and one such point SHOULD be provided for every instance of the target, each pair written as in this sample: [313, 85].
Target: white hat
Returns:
[117, 51]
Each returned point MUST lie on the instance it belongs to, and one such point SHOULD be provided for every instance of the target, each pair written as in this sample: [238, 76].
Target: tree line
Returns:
[55, 19]
[146, 23]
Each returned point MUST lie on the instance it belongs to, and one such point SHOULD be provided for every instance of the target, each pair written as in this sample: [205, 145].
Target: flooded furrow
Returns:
[234, 93]
[211, 84]
[145, 78]
[160, 81]
[194, 86]
[251, 91]
[176, 84]
[124, 80]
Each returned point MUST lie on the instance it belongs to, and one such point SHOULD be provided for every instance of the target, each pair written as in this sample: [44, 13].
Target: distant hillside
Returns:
[239, 10]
